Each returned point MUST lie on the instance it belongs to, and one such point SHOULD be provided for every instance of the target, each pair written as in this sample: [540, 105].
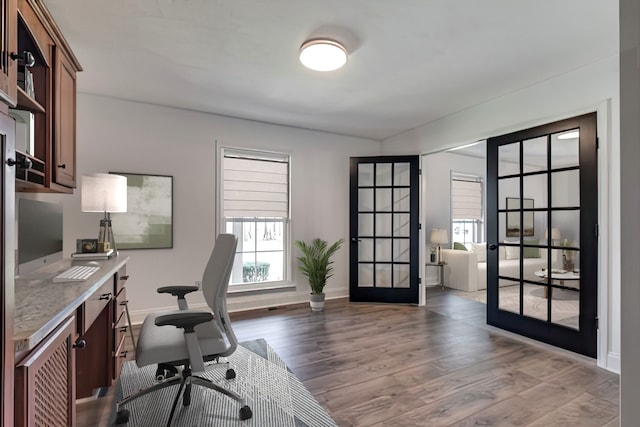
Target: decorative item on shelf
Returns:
[433, 250]
[86, 246]
[568, 255]
[438, 237]
[316, 264]
[106, 193]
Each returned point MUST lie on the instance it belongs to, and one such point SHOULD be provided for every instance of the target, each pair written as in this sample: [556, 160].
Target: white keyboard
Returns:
[77, 273]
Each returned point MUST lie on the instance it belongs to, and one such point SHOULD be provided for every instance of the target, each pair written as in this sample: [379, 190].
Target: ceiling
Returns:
[411, 61]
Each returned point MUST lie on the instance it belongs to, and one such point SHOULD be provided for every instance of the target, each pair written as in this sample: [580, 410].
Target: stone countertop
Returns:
[41, 305]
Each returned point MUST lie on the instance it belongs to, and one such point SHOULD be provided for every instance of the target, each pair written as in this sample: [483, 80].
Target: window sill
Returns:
[260, 287]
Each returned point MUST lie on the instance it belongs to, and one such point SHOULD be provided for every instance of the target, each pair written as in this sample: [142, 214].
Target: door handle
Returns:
[493, 247]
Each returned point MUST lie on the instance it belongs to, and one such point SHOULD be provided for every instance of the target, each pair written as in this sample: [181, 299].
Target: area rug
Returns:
[275, 395]
[565, 304]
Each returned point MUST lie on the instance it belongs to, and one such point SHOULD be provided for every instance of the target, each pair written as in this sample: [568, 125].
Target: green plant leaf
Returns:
[315, 262]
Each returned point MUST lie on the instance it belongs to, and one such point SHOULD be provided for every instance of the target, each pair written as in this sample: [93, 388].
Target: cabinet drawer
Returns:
[120, 303]
[119, 357]
[94, 306]
[121, 278]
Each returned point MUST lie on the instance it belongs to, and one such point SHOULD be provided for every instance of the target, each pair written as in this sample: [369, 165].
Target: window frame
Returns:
[221, 220]
[478, 224]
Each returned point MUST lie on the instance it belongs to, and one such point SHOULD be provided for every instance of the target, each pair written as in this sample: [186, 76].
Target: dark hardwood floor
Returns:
[440, 365]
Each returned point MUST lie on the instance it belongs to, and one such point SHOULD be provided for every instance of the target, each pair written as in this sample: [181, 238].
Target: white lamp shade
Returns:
[438, 235]
[555, 233]
[103, 192]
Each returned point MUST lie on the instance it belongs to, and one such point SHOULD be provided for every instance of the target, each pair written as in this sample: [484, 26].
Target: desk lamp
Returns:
[438, 236]
[103, 192]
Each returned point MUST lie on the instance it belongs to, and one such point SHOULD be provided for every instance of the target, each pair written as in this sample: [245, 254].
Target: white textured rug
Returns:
[275, 395]
[565, 304]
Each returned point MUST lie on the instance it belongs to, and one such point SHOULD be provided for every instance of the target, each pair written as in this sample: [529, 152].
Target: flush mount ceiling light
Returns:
[323, 54]
[569, 135]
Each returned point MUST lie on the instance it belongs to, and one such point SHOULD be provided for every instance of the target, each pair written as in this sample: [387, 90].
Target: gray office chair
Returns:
[189, 338]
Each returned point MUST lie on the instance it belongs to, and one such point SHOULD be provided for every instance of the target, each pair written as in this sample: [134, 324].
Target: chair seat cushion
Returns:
[166, 344]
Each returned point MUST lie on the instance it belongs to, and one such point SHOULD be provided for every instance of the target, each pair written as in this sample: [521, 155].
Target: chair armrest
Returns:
[177, 291]
[186, 320]
[461, 271]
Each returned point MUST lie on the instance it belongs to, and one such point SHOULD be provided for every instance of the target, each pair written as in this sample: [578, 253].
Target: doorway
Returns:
[542, 195]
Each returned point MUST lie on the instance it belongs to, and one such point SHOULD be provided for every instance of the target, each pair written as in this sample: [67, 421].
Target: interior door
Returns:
[542, 218]
[384, 229]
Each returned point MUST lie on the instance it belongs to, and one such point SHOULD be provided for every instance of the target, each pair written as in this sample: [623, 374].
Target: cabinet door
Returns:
[64, 144]
[8, 37]
[45, 381]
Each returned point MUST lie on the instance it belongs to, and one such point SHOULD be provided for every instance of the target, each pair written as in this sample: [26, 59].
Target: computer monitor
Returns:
[39, 234]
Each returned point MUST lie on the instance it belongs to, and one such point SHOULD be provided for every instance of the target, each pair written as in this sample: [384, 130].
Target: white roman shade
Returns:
[466, 200]
[255, 187]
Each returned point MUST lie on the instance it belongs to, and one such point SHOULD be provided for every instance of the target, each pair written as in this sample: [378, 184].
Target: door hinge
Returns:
[597, 231]
[419, 171]
[419, 280]
[419, 226]
[597, 143]
[597, 323]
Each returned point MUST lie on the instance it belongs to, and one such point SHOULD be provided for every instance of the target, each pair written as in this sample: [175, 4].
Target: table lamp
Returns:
[103, 192]
[438, 236]
[555, 235]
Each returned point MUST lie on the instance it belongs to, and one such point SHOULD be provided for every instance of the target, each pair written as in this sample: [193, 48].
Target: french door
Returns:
[542, 206]
[384, 229]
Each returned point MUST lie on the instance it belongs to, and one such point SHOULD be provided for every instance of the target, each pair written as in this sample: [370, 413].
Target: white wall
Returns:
[116, 135]
[591, 88]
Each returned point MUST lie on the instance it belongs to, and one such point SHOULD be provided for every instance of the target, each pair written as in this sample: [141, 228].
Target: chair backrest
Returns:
[215, 283]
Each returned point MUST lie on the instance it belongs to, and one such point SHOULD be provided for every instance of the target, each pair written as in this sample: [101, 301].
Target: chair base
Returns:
[186, 380]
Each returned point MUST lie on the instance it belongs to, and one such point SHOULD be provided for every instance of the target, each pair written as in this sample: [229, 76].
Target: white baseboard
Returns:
[613, 362]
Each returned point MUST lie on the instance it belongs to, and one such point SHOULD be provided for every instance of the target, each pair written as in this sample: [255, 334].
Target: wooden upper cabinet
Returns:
[64, 137]
[52, 102]
[8, 37]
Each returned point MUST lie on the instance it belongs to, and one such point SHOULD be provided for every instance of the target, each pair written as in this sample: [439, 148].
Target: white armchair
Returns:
[461, 269]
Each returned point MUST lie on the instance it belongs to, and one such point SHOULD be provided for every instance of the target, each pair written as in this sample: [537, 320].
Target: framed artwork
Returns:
[513, 218]
[148, 222]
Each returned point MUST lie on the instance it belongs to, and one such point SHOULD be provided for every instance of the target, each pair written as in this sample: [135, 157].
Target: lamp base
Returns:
[106, 240]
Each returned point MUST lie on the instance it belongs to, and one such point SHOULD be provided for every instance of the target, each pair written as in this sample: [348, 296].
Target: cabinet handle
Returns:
[63, 166]
[123, 354]
[22, 163]
[26, 57]
[125, 302]
[123, 329]
[80, 343]
[125, 277]
[105, 297]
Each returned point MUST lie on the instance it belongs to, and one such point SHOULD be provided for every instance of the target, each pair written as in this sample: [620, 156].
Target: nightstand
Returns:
[440, 272]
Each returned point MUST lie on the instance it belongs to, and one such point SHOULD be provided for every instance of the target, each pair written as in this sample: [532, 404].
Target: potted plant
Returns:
[316, 264]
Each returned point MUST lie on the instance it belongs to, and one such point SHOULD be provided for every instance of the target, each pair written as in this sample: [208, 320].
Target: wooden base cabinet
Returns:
[45, 381]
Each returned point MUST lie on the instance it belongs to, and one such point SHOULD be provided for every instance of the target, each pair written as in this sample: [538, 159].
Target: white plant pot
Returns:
[316, 301]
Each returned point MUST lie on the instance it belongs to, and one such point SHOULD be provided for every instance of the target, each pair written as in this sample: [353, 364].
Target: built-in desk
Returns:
[68, 338]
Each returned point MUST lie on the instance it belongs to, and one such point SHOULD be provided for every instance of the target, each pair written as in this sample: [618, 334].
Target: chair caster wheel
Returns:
[245, 413]
[122, 417]
[231, 374]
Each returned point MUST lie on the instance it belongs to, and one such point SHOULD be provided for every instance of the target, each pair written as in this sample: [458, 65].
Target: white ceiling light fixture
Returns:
[569, 135]
[323, 54]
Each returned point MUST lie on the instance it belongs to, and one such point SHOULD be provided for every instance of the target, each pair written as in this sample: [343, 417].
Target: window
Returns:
[467, 223]
[255, 207]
